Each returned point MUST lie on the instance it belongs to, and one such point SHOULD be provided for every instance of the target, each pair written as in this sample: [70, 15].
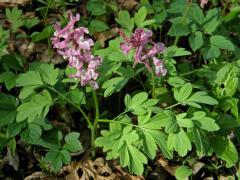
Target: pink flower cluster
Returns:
[74, 46]
[140, 41]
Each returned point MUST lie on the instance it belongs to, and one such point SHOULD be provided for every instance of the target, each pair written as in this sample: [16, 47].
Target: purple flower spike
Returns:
[140, 41]
[74, 46]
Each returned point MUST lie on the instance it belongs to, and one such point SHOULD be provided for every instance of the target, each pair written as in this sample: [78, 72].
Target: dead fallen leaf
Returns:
[36, 51]
[197, 167]
[87, 169]
[130, 4]
[165, 164]
[37, 175]
[123, 175]
[12, 3]
[12, 158]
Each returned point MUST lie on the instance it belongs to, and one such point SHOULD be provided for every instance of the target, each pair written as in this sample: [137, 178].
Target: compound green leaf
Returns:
[8, 109]
[57, 157]
[96, 8]
[212, 20]
[202, 98]
[225, 149]
[9, 79]
[119, 142]
[201, 141]
[114, 85]
[72, 142]
[174, 51]
[30, 78]
[203, 122]
[227, 121]
[179, 142]
[161, 140]
[14, 129]
[14, 16]
[196, 14]
[136, 161]
[211, 52]
[196, 40]
[125, 20]
[183, 93]
[183, 121]
[51, 139]
[221, 42]
[32, 133]
[77, 96]
[140, 16]
[179, 29]
[36, 108]
[149, 144]
[49, 74]
[139, 104]
[98, 26]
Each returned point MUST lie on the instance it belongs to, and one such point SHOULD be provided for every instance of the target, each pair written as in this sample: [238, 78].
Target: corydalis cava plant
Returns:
[140, 41]
[74, 46]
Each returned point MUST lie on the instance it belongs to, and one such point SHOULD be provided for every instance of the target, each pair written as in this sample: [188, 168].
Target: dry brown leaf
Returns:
[37, 175]
[13, 159]
[123, 175]
[197, 167]
[165, 164]
[208, 178]
[226, 177]
[36, 51]
[12, 3]
[129, 4]
[87, 169]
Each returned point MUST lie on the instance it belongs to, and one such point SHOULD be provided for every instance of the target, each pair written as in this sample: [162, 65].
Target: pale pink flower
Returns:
[140, 41]
[159, 68]
[203, 3]
[74, 46]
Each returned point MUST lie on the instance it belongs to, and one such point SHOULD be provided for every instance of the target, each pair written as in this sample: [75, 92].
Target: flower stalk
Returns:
[95, 123]
[74, 105]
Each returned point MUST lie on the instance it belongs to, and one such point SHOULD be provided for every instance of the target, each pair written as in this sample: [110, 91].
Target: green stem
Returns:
[176, 40]
[94, 128]
[183, 21]
[125, 123]
[120, 115]
[169, 107]
[153, 85]
[76, 106]
[140, 81]
[117, 122]
[189, 72]
[224, 8]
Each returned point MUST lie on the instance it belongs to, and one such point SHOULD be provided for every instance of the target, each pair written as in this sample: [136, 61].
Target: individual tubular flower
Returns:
[74, 46]
[203, 3]
[140, 41]
[159, 68]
